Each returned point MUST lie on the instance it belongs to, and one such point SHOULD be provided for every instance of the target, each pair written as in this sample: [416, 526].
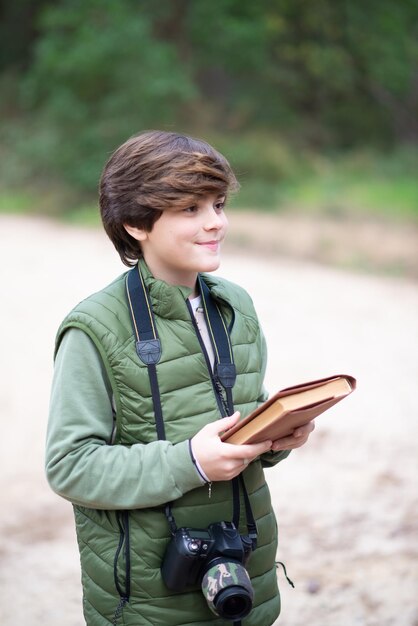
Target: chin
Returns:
[208, 264]
[211, 267]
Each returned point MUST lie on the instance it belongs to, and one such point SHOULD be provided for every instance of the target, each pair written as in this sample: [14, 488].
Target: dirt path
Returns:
[352, 242]
[347, 504]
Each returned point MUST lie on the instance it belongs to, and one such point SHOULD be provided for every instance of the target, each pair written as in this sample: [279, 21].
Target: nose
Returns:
[215, 220]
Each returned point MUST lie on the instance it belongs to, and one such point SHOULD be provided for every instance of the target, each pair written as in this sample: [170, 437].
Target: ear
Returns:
[137, 233]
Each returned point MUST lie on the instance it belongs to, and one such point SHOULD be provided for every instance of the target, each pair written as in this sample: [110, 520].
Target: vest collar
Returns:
[168, 301]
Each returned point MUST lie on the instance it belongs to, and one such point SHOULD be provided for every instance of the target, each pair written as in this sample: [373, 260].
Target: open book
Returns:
[290, 408]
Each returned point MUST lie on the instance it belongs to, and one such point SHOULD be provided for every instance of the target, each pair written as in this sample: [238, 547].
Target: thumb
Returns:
[225, 423]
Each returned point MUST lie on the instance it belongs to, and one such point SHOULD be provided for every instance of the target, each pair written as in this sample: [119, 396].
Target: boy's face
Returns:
[184, 242]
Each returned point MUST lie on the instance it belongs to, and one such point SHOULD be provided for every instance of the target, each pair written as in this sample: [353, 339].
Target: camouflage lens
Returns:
[228, 590]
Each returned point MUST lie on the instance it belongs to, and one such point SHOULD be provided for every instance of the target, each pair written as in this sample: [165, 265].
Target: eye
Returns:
[220, 204]
[191, 209]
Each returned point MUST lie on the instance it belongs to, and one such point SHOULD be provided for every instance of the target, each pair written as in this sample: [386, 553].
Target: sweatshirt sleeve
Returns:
[82, 465]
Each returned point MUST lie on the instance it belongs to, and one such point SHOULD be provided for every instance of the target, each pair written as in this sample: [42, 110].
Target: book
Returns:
[290, 408]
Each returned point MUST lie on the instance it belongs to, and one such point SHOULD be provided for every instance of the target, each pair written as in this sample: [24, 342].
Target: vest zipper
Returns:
[124, 542]
[217, 387]
[114, 425]
[221, 395]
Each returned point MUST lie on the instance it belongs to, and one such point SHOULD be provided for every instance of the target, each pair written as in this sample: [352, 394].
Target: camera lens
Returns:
[233, 603]
[227, 589]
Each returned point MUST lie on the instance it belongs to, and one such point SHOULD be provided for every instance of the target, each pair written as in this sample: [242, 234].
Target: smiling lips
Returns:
[211, 245]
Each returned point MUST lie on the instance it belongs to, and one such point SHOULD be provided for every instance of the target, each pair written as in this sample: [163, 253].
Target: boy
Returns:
[127, 436]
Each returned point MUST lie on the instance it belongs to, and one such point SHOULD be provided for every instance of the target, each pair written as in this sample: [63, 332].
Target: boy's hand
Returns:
[296, 440]
[223, 461]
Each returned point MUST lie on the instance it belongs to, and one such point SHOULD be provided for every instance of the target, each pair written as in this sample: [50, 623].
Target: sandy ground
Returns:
[347, 503]
[354, 241]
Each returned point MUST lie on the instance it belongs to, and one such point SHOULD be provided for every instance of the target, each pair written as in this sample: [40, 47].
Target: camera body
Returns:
[215, 558]
[192, 551]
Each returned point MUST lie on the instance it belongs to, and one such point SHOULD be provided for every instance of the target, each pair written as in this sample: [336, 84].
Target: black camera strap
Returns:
[148, 345]
[224, 368]
[226, 373]
[148, 348]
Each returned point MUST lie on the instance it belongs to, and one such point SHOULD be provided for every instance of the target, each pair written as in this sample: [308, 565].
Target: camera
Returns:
[215, 558]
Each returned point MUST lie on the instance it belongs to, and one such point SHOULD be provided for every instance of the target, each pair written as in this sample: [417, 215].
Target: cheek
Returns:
[225, 224]
[190, 232]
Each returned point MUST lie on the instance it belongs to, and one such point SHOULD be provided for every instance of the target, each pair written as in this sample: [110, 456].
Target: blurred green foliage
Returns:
[273, 84]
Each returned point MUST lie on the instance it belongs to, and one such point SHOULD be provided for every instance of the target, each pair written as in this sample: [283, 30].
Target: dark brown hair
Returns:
[152, 172]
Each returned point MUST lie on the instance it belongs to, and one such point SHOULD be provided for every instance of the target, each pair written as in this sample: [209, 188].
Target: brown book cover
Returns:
[290, 408]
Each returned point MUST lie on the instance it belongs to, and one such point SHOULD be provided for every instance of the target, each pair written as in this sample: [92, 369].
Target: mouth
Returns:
[213, 245]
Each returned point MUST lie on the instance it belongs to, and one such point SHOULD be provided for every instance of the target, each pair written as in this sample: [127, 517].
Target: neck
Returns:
[175, 278]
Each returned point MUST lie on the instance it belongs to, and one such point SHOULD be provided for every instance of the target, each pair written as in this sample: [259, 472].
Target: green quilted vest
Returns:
[122, 551]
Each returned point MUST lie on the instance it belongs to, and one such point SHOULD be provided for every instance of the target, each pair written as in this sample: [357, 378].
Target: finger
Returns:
[249, 451]
[224, 424]
[304, 430]
[288, 443]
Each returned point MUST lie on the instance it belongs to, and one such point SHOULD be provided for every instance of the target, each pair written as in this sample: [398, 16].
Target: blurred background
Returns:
[315, 104]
